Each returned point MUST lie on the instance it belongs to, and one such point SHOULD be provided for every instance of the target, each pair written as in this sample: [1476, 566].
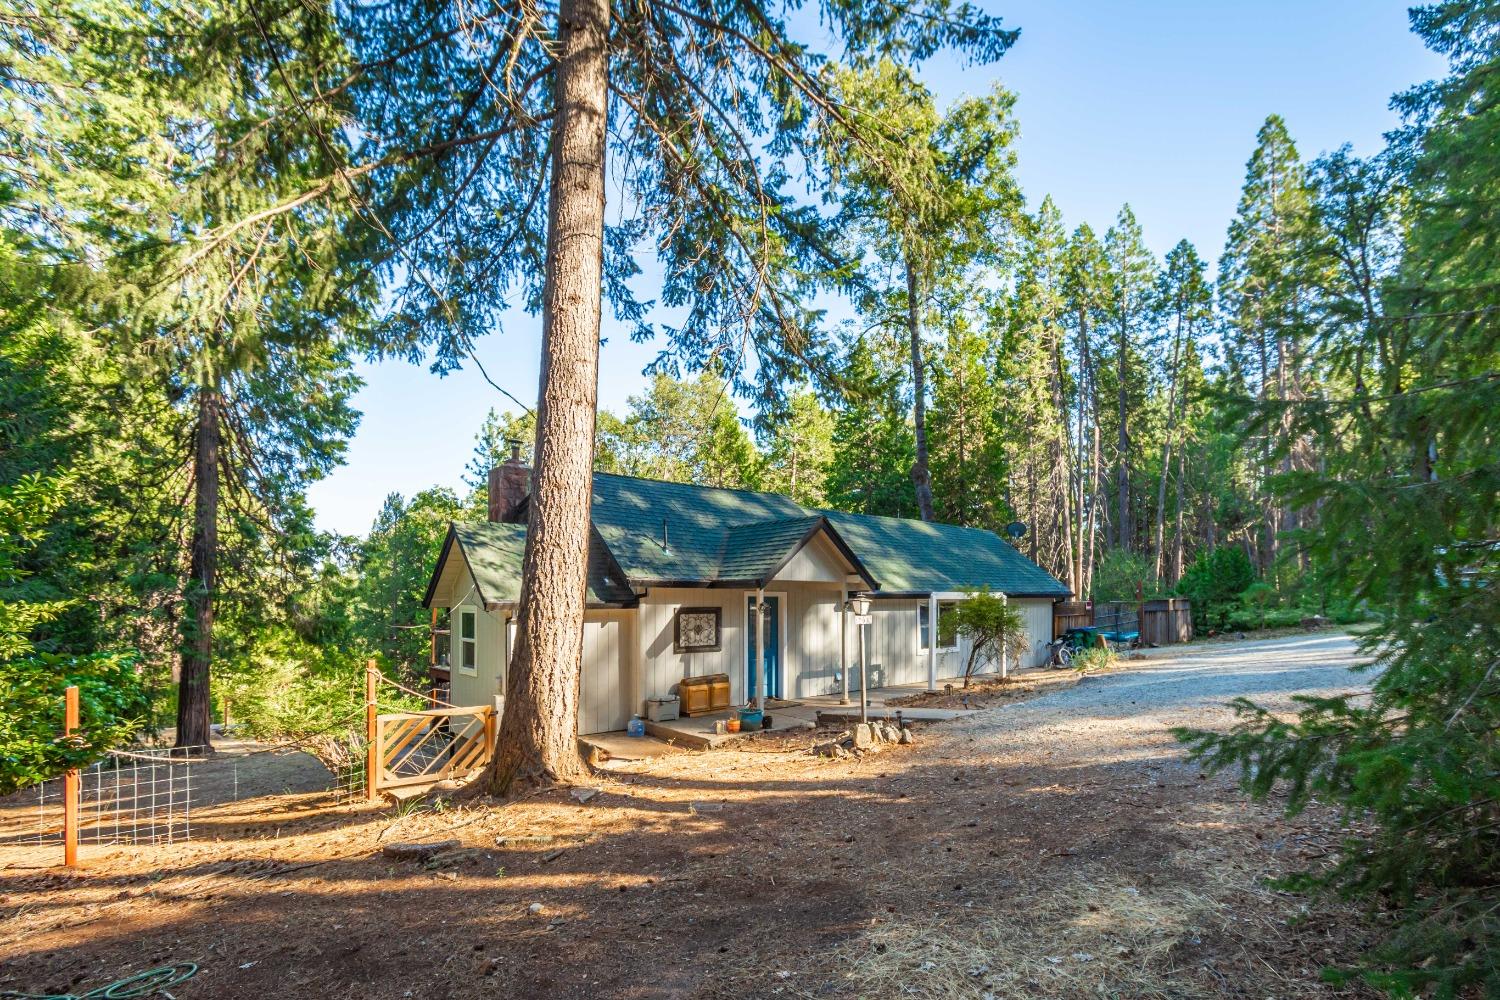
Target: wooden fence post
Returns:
[372, 735]
[489, 733]
[70, 780]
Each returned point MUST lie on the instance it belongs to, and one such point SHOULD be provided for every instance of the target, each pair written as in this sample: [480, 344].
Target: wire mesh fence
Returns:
[125, 797]
[149, 796]
[344, 756]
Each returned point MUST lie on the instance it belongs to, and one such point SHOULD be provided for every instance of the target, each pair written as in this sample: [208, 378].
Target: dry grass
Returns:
[1077, 936]
[1081, 933]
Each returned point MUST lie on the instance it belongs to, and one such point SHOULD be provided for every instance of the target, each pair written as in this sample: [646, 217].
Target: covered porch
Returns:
[702, 732]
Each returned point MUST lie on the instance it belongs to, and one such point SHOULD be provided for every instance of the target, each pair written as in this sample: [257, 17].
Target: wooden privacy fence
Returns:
[1161, 622]
[1071, 614]
[420, 748]
[1166, 621]
[1117, 616]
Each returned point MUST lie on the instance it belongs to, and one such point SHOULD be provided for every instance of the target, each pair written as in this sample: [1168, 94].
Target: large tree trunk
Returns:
[1210, 528]
[1090, 386]
[1267, 554]
[1063, 465]
[538, 741]
[193, 714]
[1166, 454]
[1177, 535]
[921, 475]
[1080, 450]
[1096, 494]
[1286, 368]
[1031, 495]
[1123, 527]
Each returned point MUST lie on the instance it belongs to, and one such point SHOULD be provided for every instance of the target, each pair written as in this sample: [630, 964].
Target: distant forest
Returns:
[1073, 382]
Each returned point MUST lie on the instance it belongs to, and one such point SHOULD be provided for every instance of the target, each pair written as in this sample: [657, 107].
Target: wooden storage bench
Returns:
[702, 695]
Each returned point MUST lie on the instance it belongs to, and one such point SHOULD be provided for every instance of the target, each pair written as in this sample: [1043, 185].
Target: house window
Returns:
[468, 642]
[947, 627]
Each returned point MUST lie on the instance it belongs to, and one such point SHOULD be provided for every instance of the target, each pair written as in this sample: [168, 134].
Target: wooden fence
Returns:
[1071, 614]
[1167, 621]
[1161, 622]
[422, 748]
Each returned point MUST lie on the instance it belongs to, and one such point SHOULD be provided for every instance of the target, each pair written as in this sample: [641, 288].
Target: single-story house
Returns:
[675, 571]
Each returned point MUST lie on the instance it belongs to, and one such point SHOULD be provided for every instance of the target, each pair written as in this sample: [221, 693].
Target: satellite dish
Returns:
[1015, 529]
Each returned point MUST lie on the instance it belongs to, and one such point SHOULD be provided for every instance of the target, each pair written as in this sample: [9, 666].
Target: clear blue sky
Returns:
[1155, 103]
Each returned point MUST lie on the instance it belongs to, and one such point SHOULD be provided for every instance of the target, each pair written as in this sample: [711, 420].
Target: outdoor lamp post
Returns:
[860, 608]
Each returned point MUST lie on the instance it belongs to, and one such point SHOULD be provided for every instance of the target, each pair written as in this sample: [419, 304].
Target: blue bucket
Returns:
[750, 718]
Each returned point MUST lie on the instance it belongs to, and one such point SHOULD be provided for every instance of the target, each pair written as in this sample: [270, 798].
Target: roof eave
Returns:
[589, 605]
[907, 595]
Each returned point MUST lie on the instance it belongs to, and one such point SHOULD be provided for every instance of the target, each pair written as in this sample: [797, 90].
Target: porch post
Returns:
[932, 641]
[1004, 646]
[864, 678]
[760, 647]
[844, 646]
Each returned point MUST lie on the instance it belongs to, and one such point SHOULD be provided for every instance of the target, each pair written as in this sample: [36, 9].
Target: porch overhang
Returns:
[957, 595]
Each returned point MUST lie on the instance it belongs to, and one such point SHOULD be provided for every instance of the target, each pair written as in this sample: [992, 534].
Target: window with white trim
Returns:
[947, 627]
[468, 640]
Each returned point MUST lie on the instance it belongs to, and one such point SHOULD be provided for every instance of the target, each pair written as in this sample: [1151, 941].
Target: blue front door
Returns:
[771, 631]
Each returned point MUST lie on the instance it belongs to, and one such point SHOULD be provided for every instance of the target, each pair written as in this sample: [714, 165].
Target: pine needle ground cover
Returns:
[1058, 847]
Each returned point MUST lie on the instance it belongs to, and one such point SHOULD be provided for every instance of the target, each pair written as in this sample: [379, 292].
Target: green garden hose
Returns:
[142, 984]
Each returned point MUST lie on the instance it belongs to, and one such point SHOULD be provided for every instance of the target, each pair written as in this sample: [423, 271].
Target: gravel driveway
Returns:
[1189, 685]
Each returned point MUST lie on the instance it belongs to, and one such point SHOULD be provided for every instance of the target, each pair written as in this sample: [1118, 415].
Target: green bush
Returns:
[993, 627]
[1120, 573]
[1214, 583]
[1094, 658]
[1250, 618]
[286, 688]
[1259, 598]
[112, 709]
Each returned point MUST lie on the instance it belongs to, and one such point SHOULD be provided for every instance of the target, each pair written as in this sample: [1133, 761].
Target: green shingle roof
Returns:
[755, 551]
[495, 553]
[920, 557]
[658, 534]
[676, 532]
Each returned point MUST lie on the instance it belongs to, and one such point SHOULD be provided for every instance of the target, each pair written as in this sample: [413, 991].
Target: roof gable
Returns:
[494, 553]
[817, 561]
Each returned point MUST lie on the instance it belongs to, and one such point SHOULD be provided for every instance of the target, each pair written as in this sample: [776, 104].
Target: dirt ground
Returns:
[1056, 848]
[988, 691]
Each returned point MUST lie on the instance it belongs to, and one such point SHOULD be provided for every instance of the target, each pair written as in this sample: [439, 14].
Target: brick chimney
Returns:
[509, 484]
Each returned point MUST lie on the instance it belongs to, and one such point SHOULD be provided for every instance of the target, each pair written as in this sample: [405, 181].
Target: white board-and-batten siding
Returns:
[895, 655]
[1038, 615]
[663, 667]
[810, 641]
[628, 654]
[488, 679]
[606, 691]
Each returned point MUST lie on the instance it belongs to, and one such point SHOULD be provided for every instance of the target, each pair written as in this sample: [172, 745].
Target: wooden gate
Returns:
[422, 748]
